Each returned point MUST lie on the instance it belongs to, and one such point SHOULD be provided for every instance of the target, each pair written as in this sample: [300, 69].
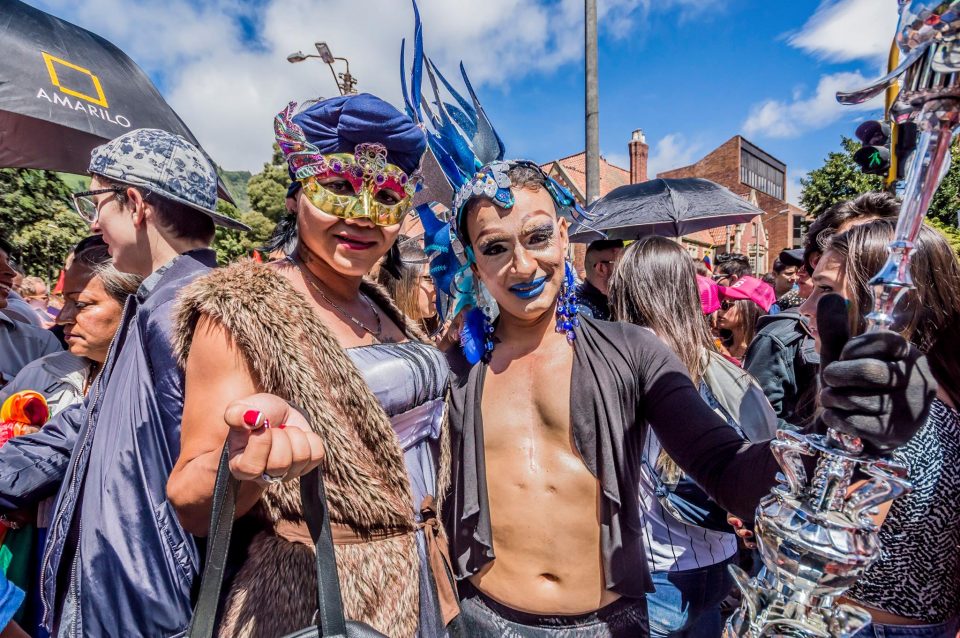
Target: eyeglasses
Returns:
[727, 304]
[88, 209]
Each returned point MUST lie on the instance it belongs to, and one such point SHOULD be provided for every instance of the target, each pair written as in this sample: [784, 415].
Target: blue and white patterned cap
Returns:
[165, 164]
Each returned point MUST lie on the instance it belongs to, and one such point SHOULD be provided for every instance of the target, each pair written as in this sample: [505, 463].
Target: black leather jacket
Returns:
[783, 359]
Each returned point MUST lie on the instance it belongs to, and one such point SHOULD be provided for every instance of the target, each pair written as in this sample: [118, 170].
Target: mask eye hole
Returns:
[338, 186]
[387, 197]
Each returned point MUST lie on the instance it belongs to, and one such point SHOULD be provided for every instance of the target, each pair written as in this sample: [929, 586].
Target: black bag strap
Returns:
[204, 621]
[329, 620]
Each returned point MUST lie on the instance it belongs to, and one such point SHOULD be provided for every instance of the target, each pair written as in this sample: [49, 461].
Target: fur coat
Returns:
[292, 354]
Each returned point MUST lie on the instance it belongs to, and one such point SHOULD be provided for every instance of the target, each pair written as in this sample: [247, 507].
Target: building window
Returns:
[760, 174]
[800, 225]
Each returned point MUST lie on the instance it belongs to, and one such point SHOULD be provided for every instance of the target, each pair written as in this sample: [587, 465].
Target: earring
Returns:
[488, 306]
[487, 336]
[476, 336]
[567, 311]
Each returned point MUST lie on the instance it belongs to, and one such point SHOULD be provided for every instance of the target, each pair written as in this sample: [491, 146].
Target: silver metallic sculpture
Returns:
[816, 537]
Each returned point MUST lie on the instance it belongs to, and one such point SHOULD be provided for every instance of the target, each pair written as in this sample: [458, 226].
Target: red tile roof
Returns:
[571, 171]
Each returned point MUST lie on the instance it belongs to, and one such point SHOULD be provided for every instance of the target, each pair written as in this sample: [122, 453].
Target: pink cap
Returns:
[709, 294]
[750, 288]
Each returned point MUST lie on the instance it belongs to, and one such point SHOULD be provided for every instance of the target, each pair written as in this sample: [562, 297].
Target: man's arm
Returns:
[733, 471]
[33, 466]
[879, 389]
[736, 473]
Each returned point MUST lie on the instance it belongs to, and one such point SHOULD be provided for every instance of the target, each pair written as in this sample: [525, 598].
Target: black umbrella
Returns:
[65, 90]
[665, 207]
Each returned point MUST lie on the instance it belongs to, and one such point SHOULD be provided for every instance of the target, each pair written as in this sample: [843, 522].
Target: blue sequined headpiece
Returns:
[470, 154]
[493, 182]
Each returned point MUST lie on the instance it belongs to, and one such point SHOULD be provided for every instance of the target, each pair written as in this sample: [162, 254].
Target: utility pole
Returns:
[592, 102]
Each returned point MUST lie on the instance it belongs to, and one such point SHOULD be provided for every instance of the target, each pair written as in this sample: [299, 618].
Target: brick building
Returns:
[737, 164]
[757, 176]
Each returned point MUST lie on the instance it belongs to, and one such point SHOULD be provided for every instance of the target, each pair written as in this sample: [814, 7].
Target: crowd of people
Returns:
[593, 472]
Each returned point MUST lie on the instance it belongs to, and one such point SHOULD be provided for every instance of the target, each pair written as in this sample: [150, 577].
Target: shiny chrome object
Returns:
[816, 536]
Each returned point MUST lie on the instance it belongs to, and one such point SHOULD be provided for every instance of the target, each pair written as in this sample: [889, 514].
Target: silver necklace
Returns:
[376, 334]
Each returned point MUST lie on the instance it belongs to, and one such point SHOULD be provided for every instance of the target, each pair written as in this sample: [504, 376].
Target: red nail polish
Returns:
[252, 418]
[281, 426]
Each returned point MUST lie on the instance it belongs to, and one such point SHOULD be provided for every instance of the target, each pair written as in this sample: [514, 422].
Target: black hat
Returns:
[792, 257]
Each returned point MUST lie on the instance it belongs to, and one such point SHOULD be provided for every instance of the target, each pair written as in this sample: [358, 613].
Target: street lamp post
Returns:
[346, 83]
[592, 95]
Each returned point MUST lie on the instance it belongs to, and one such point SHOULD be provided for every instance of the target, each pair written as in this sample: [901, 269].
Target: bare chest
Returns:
[531, 395]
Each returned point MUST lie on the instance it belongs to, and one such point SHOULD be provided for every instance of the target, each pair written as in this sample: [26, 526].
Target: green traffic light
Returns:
[875, 159]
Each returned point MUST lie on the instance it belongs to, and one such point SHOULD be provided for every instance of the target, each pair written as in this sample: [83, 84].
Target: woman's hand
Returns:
[741, 531]
[270, 440]
[219, 389]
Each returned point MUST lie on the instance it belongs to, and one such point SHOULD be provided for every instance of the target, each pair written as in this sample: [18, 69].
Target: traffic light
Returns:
[874, 156]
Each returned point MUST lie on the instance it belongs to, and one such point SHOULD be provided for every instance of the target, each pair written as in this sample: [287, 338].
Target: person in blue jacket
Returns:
[117, 561]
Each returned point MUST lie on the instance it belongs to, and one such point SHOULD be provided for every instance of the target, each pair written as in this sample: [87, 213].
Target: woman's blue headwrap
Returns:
[338, 124]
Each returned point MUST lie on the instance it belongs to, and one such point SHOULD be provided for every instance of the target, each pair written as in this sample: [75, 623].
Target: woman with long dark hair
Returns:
[311, 330]
[94, 292]
[913, 589]
[655, 286]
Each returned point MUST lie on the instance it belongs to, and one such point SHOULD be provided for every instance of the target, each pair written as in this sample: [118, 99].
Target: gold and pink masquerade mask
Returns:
[347, 185]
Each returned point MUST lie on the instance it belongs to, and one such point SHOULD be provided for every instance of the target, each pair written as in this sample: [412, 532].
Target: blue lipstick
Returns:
[529, 289]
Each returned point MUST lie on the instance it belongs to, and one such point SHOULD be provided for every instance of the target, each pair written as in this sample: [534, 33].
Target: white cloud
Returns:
[672, 151]
[228, 90]
[838, 31]
[846, 30]
[787, 119]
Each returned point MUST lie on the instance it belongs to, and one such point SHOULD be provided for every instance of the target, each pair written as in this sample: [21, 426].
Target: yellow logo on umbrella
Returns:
[52, 62]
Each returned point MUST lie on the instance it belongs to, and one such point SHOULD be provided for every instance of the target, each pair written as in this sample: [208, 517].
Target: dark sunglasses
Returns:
[727, 304]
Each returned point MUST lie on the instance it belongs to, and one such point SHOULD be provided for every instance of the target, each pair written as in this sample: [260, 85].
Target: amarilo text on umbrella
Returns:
[78, 89]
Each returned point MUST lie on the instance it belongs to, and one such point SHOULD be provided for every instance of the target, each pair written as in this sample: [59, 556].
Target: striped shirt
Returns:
[673, 546]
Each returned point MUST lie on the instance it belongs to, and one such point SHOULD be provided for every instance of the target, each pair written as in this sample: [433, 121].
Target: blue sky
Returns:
[692, 82]
[691, 73]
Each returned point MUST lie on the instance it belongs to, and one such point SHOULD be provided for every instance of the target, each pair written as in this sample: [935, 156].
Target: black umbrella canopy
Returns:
[665, 207]
[65, 90]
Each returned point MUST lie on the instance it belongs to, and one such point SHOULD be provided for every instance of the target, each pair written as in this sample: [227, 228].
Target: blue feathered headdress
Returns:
[470, 154]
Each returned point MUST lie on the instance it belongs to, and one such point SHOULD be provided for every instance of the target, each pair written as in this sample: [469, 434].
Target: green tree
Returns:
[236, 182]
[42, 246]
[946, 202]
[839, 179]
[267, 190]
[37, 218]
[950, 231]
[235, 244]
